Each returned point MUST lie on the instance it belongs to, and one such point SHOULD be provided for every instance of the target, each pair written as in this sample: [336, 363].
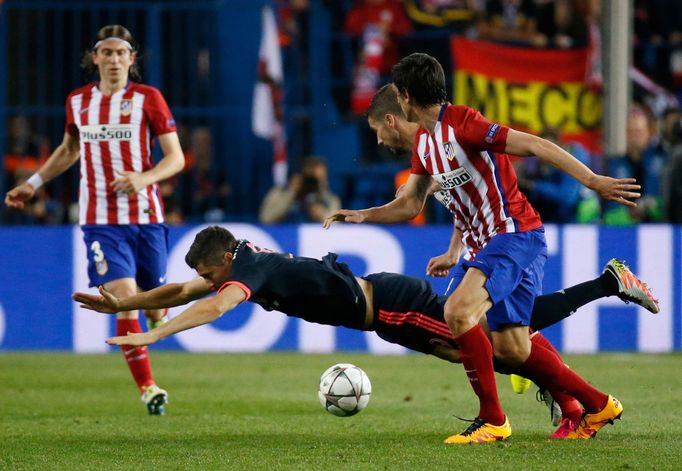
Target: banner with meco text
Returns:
[528, 89]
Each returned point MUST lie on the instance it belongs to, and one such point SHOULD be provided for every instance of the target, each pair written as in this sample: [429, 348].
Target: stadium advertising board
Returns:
[549, 91]
[42, 267]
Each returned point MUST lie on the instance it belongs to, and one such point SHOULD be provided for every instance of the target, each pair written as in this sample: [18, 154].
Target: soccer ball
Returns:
[344, 390]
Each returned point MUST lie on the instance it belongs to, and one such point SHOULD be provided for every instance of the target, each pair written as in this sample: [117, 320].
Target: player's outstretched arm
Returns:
[409, 202]
[620, 190]
[63, 157]
[170, 295]
[200, 313]
[440, 265]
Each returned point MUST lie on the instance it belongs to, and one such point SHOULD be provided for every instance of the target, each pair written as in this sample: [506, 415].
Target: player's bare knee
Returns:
[460, 314]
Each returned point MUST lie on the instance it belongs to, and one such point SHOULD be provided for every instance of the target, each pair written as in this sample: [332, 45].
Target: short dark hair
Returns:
[209, 247]
[385, 101]
[422, 77]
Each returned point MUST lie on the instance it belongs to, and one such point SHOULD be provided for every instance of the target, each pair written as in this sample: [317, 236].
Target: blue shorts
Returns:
[514, 264]
[138, 251]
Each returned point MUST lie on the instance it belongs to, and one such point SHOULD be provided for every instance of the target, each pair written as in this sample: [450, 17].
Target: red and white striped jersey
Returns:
[115, 134]
[465, 155]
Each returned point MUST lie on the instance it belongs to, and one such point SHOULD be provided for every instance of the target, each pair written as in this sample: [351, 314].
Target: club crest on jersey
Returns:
[449, 148]
[126, 107]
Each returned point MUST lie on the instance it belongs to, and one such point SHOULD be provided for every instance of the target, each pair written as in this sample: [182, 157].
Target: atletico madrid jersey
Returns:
[465, 155]
[115, 134]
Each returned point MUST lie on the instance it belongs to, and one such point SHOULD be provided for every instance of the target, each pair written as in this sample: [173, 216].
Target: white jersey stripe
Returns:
[116, 160]
[136, 152]
[157, 202]
[508, 221]
[76, 102]
[421, 148]
[96, 158]
[479, 186]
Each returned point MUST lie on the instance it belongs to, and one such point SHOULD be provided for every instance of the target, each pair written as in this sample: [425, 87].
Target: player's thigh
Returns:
[151, 257]
[470, 300]
[110, 253]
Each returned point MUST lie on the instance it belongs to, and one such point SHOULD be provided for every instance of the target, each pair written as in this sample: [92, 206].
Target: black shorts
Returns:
[408, 312]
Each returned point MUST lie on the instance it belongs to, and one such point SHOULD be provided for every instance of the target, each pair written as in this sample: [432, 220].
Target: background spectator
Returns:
[672, 180]
[553, 193]
[512, 21]
[377, 23]
[562, 23]
[26, 152]
[199, 193]
[453, 14]
[644, 160]
[307, 198]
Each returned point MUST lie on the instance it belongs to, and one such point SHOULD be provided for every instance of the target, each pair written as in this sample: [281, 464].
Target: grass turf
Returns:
[62, 411]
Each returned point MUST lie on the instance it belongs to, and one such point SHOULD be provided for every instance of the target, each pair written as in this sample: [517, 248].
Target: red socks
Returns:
[137, 357]
[570, 407]
[545, 368]
[477, 359]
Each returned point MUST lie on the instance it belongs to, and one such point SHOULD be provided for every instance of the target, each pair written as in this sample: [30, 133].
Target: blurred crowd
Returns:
[373, 35]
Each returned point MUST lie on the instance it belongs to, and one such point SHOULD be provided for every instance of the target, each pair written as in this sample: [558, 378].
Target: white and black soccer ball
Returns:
[344, 390]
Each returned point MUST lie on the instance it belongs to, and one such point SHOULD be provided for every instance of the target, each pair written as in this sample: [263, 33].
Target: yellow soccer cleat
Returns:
[593, 423]
[519, 384]
[481, 432]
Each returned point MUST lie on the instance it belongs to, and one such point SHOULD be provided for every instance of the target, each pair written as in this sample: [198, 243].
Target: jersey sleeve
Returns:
[417, 166]
[160, 118]
[70, 126]
[477, 132]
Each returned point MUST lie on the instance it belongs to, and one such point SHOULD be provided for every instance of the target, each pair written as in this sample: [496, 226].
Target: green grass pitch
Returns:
[244, 412]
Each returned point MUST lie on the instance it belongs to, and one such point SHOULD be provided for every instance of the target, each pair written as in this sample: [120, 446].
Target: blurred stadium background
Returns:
[601, 77]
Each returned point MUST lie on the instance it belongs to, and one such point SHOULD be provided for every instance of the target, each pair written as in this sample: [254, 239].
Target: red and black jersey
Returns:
[321, 291]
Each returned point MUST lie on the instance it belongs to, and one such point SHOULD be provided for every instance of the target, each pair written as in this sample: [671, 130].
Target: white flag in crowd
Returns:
[267, 112]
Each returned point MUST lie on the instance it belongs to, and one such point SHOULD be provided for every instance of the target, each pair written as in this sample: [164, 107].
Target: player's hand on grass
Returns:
[134, 339]
[105, 302]
[17, 196]
[344, 215]
[620, 190]
[440, 266]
